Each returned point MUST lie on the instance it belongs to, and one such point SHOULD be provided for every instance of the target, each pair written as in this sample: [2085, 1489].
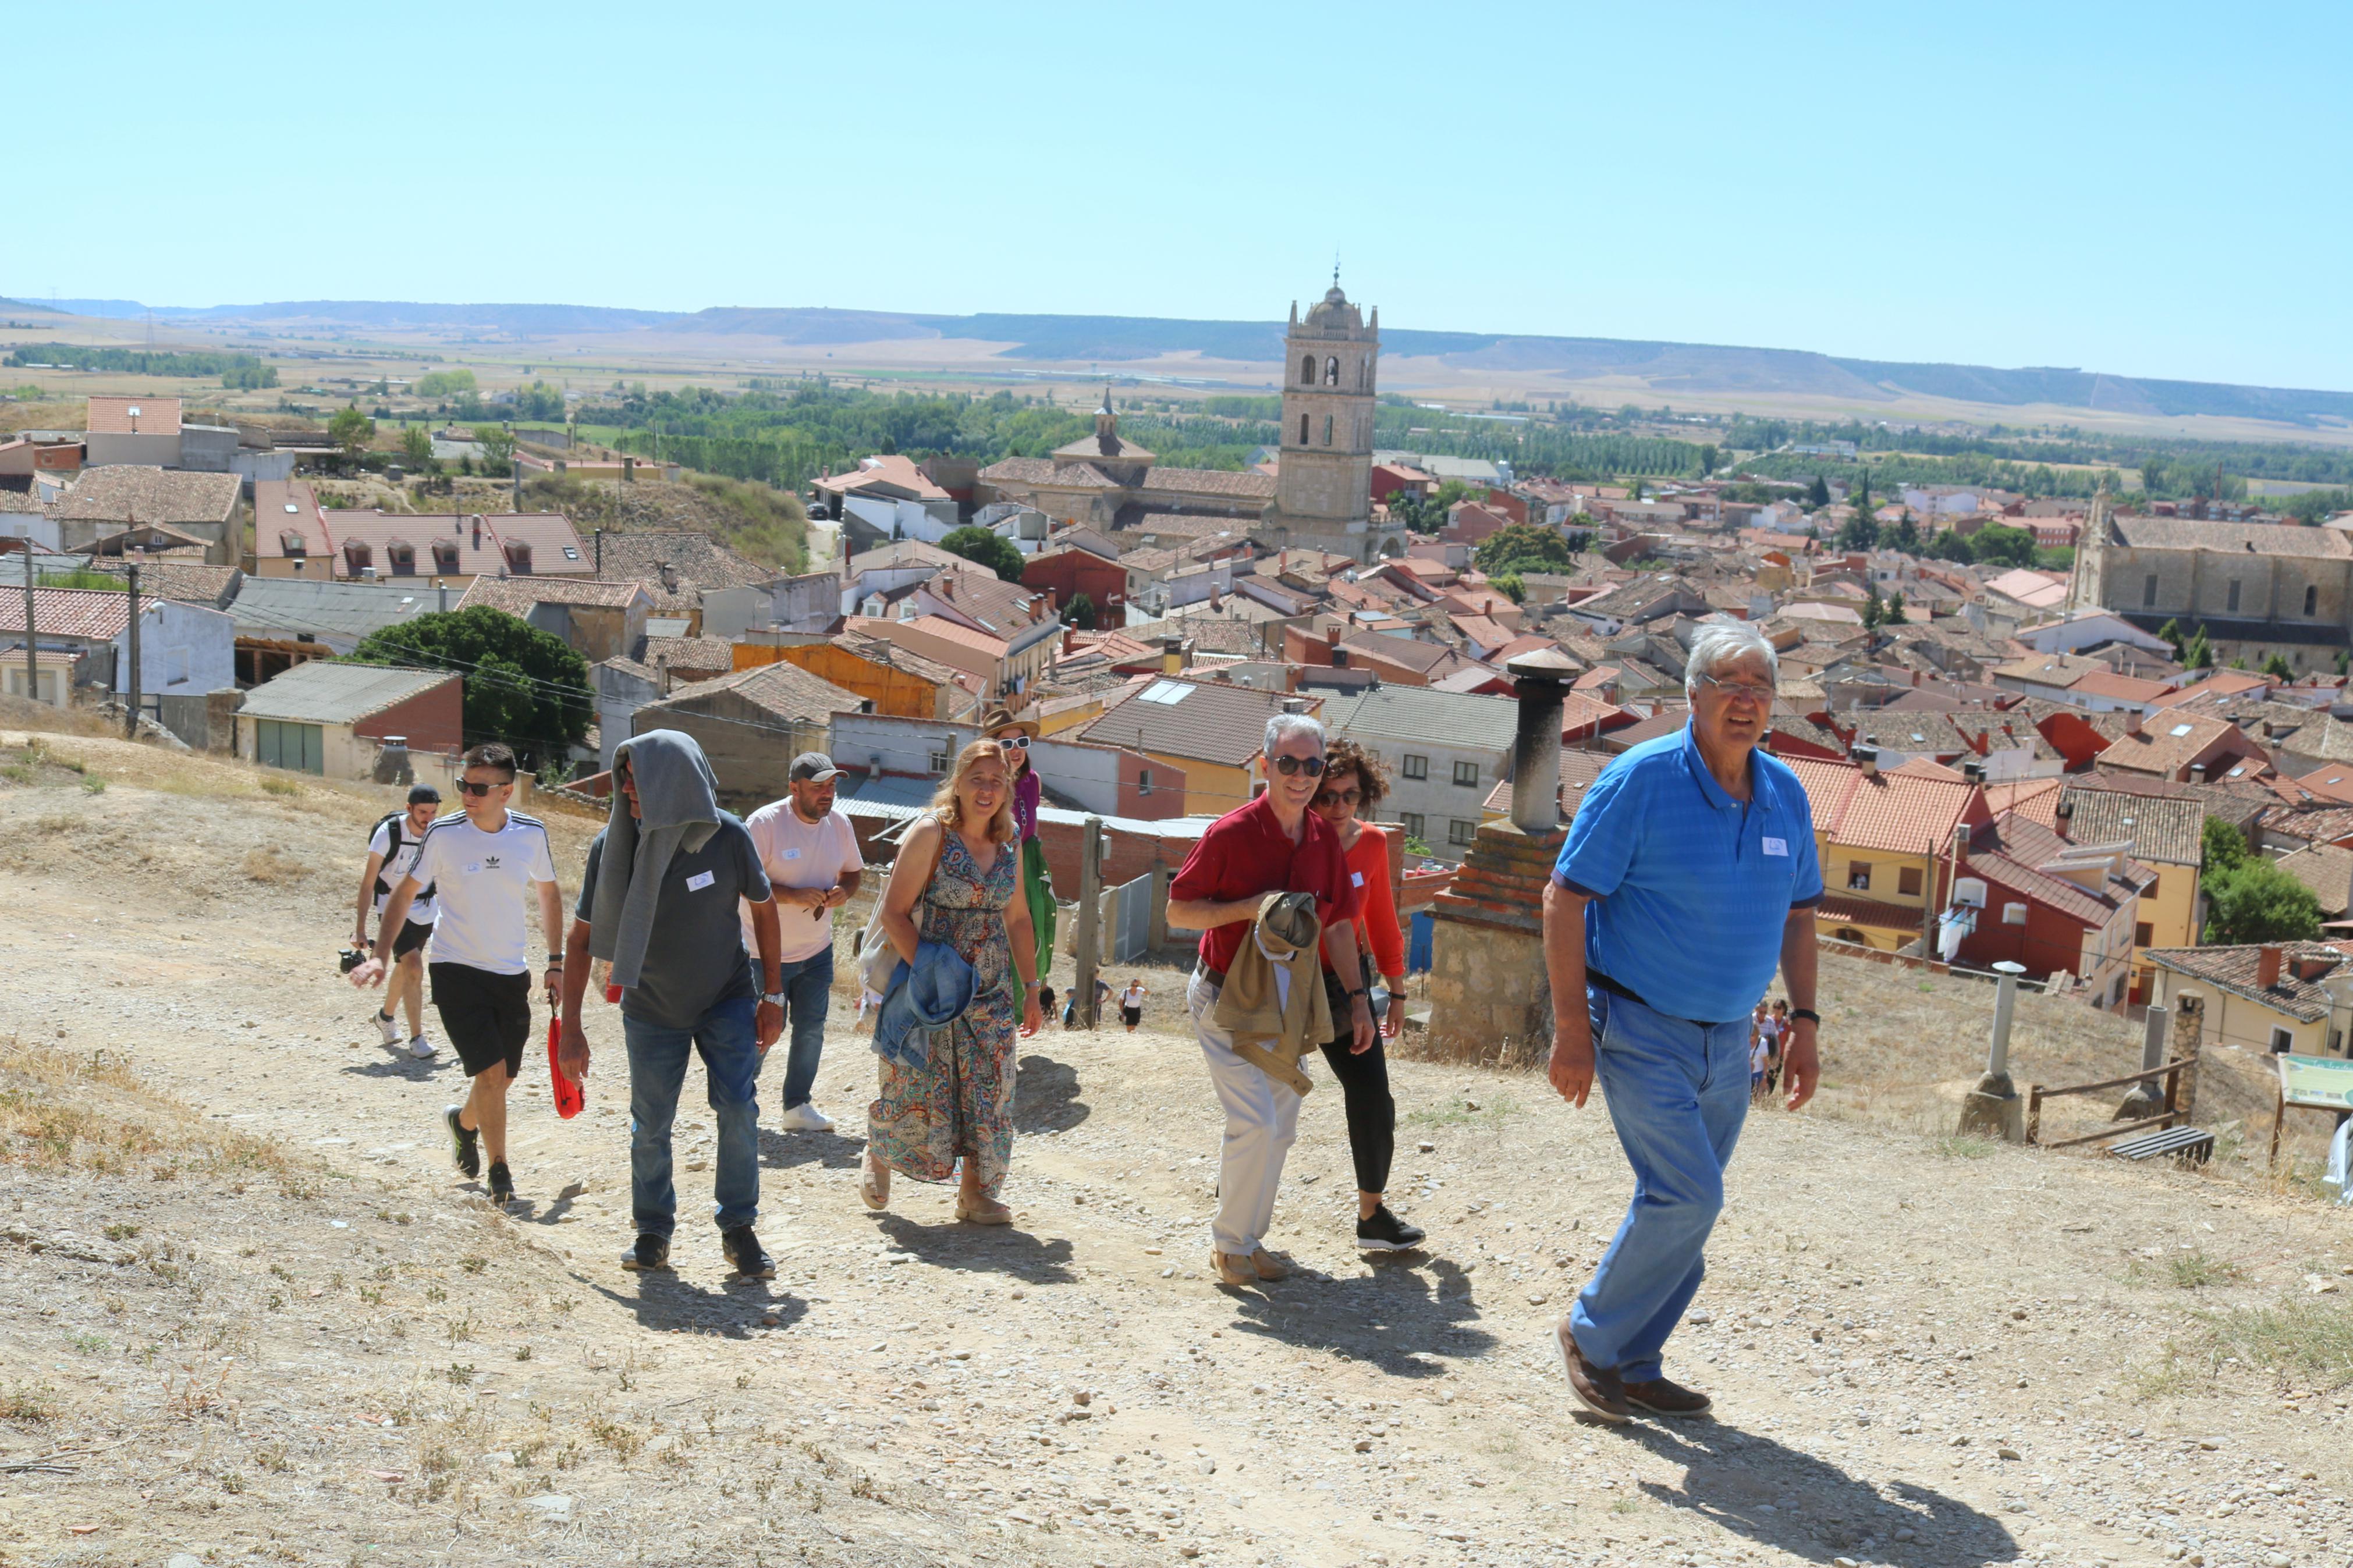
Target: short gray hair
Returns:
[1720, 643]
[1282, 726]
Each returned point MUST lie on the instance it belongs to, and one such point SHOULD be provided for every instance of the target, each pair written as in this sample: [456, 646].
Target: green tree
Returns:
[1818, 496]
[2223, 848]
[1873, 612]
[1858, 533]
[2260, 902]
[417, 446]
[985, 548]
[1903, 535]
[1896, 617]
[443, 383]
[2171, 632]
[2200, 654]
[1998, 543]
[1510, 586]
[498, 448]
[1708, 456]
[2276, 667]
[1080, 612]
[1948, 545]
[523, 686]
[1523, 547]
[351, 431]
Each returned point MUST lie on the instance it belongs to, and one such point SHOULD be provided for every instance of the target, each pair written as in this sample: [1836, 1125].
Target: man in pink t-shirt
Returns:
[810, 853]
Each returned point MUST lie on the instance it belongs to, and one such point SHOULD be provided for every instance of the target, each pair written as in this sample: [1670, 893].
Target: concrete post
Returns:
[1541, 681]
[131, 721]
[2146, 1099]
[1994, 1106]
[32, 634]
[1086, 956]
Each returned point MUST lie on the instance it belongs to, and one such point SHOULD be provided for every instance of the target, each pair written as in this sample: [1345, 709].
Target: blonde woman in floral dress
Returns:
[957, 881]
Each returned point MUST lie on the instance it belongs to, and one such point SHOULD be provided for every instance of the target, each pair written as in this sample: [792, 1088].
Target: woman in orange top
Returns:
[1353, 782]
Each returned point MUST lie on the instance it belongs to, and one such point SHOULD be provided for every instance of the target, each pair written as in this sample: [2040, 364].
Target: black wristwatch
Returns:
[1807, 1013]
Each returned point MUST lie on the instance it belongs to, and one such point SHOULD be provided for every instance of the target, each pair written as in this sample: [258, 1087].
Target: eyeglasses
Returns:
[468, 786]
[1331, 797]
[1018, 741]
[1746, 690]
[1291, 766]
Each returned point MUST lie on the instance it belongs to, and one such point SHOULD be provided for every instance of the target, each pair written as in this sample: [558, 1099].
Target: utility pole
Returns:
[131, 721]
[32, 642]
[1087, 954]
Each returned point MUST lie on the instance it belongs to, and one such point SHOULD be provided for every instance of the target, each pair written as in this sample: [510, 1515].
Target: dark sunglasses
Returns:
[1292, 766]
[1331, 797]
[467, 786]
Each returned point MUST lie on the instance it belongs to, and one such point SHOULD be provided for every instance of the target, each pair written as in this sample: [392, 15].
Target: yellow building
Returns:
[2165, 834]
[1210, 729]
[1885, 842]
[2266, 998]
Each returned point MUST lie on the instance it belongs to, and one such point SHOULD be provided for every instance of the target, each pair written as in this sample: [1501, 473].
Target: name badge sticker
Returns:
[1777, 847]
[792, 853]
[699, 882]
[1356, 878]
[473, 867]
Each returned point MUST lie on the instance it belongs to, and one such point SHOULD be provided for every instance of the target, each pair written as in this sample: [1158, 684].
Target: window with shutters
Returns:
[298, 747]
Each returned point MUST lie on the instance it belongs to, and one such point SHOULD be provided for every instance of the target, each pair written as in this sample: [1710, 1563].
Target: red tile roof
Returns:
[1899, 812]
[111, 415]
[91, 613]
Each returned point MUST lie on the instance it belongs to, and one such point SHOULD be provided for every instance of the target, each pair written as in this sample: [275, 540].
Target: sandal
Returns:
[982, 1211]
[874, 1184]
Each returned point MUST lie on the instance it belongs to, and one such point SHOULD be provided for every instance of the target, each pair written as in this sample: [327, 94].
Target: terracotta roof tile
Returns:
[1894, 812]
[1203, 721]
[2234, 969]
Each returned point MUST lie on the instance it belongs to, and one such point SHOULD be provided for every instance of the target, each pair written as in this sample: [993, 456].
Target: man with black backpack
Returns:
[392, 851]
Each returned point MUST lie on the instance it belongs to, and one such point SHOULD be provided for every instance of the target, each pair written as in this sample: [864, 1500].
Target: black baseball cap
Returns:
[418, 794]
[813, 767]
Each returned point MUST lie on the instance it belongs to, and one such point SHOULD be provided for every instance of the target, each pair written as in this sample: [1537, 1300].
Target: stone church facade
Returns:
[2255, 588]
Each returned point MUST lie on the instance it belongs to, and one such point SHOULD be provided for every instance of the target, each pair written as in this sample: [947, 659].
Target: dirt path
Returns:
[1918, 1357]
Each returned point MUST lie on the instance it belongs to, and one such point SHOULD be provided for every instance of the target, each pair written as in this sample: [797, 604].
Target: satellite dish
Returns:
[132, 411]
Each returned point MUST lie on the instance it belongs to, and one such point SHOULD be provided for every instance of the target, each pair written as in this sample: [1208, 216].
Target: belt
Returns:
[1594, 978]
[1214, 976]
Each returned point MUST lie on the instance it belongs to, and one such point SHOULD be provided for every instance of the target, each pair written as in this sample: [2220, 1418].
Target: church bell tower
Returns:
[1324, 496]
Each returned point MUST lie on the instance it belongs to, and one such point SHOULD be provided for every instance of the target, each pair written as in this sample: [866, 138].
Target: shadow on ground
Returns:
[831, 1151]
[1046, 1096]
[989, 1249]
[1782, 1496]
[1402, 1318]
[665, 1301]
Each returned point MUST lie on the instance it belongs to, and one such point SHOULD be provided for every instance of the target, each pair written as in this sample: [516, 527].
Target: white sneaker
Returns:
[806, 1118]
[420, 1048]
[389, 1029]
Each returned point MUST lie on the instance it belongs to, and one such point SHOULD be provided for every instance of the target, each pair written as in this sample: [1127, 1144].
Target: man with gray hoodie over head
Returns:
[660, 901]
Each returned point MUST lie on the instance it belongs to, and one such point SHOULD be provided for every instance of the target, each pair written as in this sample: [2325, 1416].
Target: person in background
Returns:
[1773, 1046]
[666, 878]
[1273, 844]
[1696, 831]
[809, 851]
[1103, 999]
[1759, 1034]
[1016, 735]
[1045, 998]
[392, 851]
[1354, 783]
[957, 881]
[1131, 1003]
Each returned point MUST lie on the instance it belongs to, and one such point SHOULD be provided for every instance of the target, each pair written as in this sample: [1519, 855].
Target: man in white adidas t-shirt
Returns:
[809, 851]
[391, 852]
[485, 865]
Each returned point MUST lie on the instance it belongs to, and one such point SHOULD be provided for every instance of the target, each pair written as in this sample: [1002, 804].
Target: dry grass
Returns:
[2302, 1343]
[85, 1110]
[271, 864]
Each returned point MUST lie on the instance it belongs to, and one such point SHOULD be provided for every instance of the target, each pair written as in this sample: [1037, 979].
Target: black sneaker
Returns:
[1386, 1233]
[463, 1147]
[651, 1253]
[744, 1250]
[501, 1183]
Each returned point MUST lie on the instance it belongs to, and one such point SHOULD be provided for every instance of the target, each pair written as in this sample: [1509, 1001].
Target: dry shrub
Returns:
[271, 864]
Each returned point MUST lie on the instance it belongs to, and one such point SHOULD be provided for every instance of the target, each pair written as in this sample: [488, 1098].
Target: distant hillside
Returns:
[1666, 368]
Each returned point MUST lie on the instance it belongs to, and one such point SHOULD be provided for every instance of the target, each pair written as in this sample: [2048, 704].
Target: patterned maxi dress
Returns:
[960, 1102]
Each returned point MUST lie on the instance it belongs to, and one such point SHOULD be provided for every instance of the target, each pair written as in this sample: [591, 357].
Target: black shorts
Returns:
[486, 1017]
[1131, 1017]
[412, 938]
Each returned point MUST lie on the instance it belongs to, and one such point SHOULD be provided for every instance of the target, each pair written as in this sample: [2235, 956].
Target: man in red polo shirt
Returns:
[1273, 844]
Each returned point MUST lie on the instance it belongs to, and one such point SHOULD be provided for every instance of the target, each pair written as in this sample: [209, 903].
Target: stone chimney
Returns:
[1866, 758]
[947, 587]
[1961, 844]
[1332, 637]
[2267, 968]
[2064, 815]
[1540, 680]
[2198, 772]
[2132, 721]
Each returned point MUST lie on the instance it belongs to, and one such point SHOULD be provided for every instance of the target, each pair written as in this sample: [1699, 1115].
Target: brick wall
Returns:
[431, 720]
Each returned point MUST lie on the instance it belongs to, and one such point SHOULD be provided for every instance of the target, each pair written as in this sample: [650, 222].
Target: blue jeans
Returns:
[807, 985]
[730, 1048]
[1677, 1094]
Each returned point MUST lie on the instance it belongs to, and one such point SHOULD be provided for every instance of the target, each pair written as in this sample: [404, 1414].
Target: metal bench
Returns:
[2178, 1142]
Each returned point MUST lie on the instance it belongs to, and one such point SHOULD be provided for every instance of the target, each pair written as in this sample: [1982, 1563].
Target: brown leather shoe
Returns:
[1270, 1265]
[1662, 1397]
[1231, 1269]
[1596, 1390]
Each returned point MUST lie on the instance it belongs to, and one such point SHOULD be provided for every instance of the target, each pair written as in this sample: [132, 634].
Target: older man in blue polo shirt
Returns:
[1688, 877]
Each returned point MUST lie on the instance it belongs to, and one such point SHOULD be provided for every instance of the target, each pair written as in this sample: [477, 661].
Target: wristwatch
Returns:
[774, 998]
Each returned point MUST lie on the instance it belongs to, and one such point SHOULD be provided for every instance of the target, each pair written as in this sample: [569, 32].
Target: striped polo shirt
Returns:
[1690, 887]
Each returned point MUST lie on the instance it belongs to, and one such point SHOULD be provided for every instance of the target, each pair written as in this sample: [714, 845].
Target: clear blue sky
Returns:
[2150, 189]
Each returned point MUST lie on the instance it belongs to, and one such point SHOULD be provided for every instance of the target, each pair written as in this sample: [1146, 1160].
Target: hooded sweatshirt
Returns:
[678, 807]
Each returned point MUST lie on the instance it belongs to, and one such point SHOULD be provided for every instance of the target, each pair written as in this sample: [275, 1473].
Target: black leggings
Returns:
[1372, 1113]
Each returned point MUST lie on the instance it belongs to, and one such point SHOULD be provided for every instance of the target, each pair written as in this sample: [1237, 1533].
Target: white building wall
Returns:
[1086, 774]
[183, 650]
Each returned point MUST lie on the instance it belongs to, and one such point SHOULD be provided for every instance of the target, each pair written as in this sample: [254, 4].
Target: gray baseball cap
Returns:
[813, 767]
